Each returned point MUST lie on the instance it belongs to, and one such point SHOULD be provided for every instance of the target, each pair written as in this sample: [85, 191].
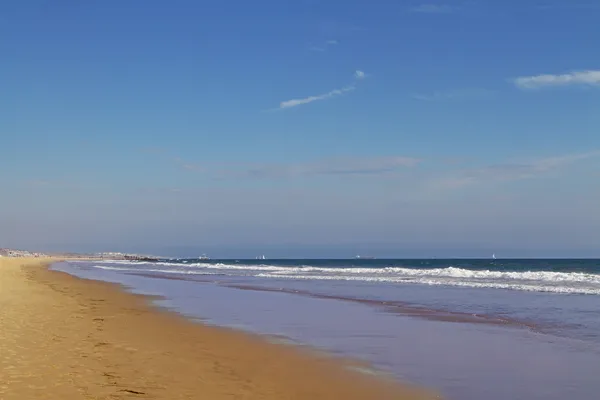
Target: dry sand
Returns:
[66, 338]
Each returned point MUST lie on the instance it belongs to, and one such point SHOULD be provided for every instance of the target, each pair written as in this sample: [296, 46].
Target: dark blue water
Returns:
[474, 329]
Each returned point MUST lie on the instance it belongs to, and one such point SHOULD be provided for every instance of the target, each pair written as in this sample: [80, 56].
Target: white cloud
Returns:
[586, 78]
[359, 74]
[332, 42]
[310, 99]
[432, 9]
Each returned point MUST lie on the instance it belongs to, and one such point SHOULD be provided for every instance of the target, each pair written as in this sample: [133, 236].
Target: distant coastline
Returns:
[14, 253]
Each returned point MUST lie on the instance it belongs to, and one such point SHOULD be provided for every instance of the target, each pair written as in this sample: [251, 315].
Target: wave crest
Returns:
[541, 281]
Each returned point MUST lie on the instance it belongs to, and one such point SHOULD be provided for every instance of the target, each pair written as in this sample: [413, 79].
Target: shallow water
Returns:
[470, 342]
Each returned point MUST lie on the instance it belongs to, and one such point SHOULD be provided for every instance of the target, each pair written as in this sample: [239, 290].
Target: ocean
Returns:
[472, 329]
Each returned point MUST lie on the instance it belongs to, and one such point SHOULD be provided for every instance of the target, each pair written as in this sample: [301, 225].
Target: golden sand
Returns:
[66, 338]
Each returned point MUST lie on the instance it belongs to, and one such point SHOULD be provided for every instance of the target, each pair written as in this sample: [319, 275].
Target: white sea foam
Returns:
[515, 285]
[542, 281]
[408, 272]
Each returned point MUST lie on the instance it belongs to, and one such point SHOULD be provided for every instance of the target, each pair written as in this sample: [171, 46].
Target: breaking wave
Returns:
[539, 281]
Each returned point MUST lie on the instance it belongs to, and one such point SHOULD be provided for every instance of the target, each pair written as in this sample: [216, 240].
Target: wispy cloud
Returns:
[432, 9]
[152, 150]
[298, 102]
[324, 46]
[40, 182]
[452, 95]
[511, 171]
[585, 78]
[323, 167]
[167, 156]
[564, 5]
[423, 181]
[517, 171]
[451, 183]
[338, 166]
[189, 166]
[358, 75]
[45, 183]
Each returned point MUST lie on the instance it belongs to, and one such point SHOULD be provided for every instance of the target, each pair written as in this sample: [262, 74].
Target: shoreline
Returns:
[408, 309]
[67, 337]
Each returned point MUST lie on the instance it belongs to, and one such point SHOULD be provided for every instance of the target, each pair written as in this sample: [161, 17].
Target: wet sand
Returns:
[66, 338]
[407, 309]
[397, 307]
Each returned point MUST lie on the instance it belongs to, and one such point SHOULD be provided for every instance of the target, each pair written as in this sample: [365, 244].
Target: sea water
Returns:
[473, 329]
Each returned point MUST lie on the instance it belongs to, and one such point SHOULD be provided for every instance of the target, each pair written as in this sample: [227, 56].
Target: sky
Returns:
[313, 128]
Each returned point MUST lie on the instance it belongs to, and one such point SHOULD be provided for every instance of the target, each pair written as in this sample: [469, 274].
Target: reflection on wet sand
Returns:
[397, 307]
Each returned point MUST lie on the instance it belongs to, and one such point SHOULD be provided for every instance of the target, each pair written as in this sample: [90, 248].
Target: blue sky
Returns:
[307, 128]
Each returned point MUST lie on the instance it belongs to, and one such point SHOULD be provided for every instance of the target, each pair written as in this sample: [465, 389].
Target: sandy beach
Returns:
[66, 338]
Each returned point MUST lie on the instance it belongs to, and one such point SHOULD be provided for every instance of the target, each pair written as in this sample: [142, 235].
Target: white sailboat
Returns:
[494, 256]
